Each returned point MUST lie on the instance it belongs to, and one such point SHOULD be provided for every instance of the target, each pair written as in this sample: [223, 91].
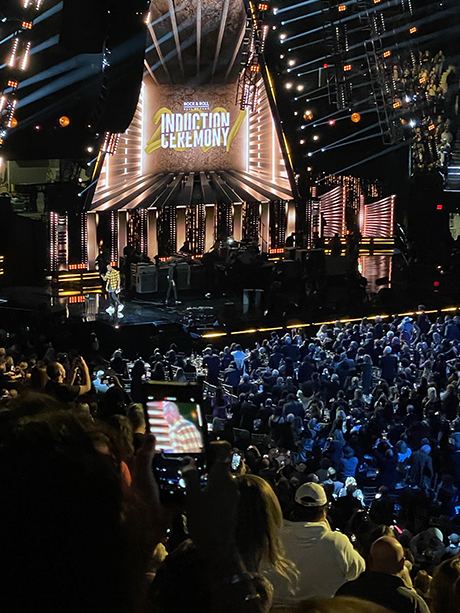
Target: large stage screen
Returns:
[187, 129]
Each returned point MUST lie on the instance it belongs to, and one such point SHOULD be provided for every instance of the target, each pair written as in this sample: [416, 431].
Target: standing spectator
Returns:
[383, 583]
[325, 559]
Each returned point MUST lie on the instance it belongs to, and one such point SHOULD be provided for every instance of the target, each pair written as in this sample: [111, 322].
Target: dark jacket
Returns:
[385, 590]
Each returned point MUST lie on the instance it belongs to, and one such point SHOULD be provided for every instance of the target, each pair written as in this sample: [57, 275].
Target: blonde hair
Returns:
[445, 588]
[259, 522]
[339, 604]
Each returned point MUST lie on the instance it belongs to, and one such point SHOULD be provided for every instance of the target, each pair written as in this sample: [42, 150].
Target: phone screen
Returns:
[236, 461]
[177, 425]
[174, 416]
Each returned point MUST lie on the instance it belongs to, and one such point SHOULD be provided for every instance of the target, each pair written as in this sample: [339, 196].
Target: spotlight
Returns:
[64, 121]
[310, 154]
[296, 113]
[309, 169]
[412, 123]
[300, 88]
[356, 118]
[13, 122]
[291, 63]
[302, 142]
[282, 56]
[331, 122]
[308, 115]
[283, 37]
[37, 128]
[315, 137]
[288, 85]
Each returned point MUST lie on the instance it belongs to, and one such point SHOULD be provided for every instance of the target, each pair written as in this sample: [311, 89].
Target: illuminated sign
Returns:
[196, 127]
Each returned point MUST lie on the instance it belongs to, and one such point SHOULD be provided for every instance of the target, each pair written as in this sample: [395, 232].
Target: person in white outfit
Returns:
[325, 559]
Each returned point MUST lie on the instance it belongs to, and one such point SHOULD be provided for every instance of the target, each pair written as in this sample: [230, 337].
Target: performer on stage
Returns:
[102, 261]
[172, 283]
[113, 285]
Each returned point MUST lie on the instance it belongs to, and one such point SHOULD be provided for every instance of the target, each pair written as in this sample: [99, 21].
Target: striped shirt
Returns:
[185, 437]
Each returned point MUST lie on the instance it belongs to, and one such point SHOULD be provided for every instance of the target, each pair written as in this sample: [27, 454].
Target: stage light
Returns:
[325, 65]
[413, 30]
[89, 149]
[64, 121]
[37, 128]
[397, 104]
[407, 98]
[282, 56]
[342, 8]
[283, 37]
[439, 207]
[308, 115]
[13, 83]
[263, 7]
[302, 142]
[356, 118]
[13, 122]
[347, 68]
[291, 63]
[412, 123]
[315, 137]
[310, 154]
[300, 88]
[296, 113]
[331, 122]
[275, 11]
[431, 126]
[26, 25]
[387, 54]
[309, 169]
[288, 85]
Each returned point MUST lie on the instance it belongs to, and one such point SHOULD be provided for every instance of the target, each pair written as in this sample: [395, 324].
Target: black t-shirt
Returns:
[62, 391]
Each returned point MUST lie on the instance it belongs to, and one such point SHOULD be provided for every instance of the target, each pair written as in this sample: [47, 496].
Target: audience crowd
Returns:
[334, 483]
[427, 93]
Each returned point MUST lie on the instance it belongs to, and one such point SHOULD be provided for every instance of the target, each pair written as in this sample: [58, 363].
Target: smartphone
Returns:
[174, 415]
[236, 462]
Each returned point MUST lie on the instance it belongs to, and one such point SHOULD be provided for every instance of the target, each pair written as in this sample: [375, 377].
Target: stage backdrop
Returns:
[187, 129]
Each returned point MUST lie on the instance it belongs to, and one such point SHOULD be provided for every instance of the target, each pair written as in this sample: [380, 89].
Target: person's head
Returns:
[445, 587]
[61, 508]
[339, 604]
[109, 267]
[258, 525]
[387, 556]
[171, 412]
[135, 414]
[311, 503]
[56, 372]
